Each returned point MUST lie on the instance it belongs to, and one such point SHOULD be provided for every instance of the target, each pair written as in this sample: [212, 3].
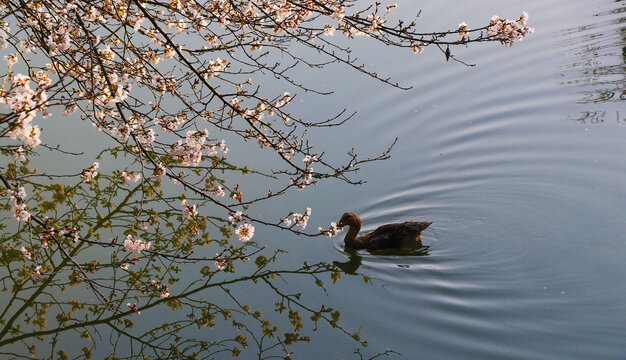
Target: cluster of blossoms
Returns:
[25, 103]
[215, 67]
[508, 31]
[49, 233]
[37, 271]
[90, 172]
[218, 191]
[235, 218]
[26, 254]
[220, 263]
[188, 211]
[159, 171]
[160, 288]
[284, 100]
[20, 212]
[331, 231]
[136, 245]
[19, 154]
[135, 127]
[376, 20]
[59, 38]
[463, 30]
[301, 220]
[244, 231]
[220, 145]
[190, 153]
[131, 176]
[306, 178]
[170, 124]
[134, 308]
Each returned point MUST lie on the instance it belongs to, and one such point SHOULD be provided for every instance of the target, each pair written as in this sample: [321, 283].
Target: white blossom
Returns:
[25, 253]
[218, 191]
[136, 245]
[90, 172]
[245, 232]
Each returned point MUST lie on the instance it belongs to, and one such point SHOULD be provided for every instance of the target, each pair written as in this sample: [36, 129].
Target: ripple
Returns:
[525, 254]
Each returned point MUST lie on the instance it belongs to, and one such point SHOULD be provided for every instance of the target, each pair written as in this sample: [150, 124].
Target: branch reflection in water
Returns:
[222, 316]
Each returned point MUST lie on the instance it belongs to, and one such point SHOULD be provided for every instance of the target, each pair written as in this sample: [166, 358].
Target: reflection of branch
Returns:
[268, 274]
[48, 280]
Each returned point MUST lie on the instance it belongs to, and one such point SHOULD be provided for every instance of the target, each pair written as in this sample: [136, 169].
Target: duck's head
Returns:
[349, 219]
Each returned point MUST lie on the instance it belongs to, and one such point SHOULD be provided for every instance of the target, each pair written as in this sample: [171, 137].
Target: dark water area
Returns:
[519, 162]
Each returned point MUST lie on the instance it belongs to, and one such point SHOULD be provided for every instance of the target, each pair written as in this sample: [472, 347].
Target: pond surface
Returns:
[519, 162]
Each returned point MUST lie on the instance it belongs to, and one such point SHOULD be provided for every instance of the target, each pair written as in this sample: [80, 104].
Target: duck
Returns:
[385, 237]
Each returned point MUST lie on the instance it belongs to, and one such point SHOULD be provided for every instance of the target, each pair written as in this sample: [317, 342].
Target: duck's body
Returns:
[385, 237]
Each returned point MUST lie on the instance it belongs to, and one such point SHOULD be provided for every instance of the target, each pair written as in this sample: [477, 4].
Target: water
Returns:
[518, 161]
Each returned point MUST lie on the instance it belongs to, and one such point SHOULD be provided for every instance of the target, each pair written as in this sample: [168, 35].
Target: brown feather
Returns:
[385, 237]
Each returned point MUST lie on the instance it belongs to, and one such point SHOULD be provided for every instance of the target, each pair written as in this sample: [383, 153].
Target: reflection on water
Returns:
[598, 63]
[526, 260]
[355, 259]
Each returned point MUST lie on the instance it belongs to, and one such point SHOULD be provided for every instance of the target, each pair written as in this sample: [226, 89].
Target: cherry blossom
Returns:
[148, 77]
[331, 231]
[90, 172]
[20, 211]
[131, 176]
[190, 152]
[18, 154]
[136, 245]
[235, 218]
[245, 232]
[159, 171]
[507, 31]
[188, 211]
[25, 253]
[218, 191]
[302, 220]
[463, 30]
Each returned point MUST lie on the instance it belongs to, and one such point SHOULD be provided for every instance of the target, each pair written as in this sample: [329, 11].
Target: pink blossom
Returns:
[507, 31]
[18, 154]
[302, 219]
[20, 212]
[245, 232]
[25, 253]
[234, 219]
[189, 211]
[220, 264]
[159, 171]
[131, 176]
[190, 153]
[331, 231]
[90, 172]
[463, 31]
[136, 245]
[218, 191]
